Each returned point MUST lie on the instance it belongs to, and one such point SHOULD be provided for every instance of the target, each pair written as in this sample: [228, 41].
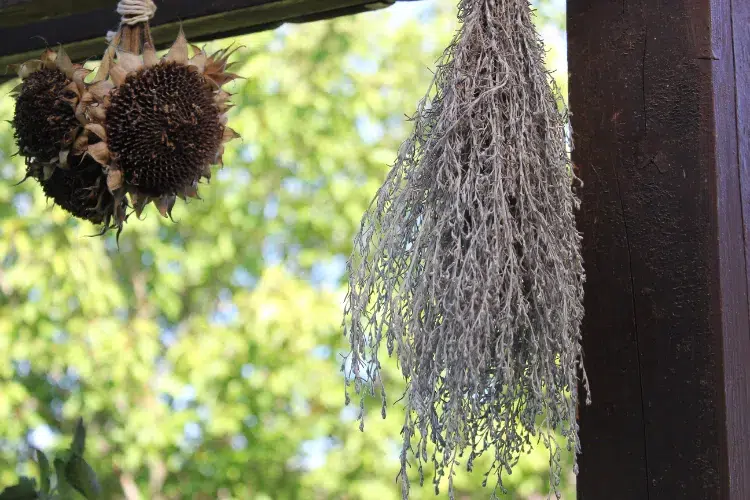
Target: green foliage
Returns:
[204, 355]
[74, 477]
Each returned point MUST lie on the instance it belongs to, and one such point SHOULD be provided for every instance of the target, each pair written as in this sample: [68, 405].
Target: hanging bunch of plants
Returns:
[139, 130]
[467, 267]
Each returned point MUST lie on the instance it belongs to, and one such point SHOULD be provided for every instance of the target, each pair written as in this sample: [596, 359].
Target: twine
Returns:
[133, 12]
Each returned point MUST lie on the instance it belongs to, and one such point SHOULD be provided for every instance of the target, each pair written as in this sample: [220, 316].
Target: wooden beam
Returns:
[660, 102]
[27, 26]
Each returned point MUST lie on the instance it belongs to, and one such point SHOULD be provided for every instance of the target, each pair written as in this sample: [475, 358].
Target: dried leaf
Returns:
[63, 158]
[221, 79]
[206, 172]
[229, 134]
[47, 171]
[96, 113]
[139, 202]
[149, 55]
[199, 61]
[219, 157]
[179, 51]
[191, 191]
[79, 77]
[222, 96]
[97, 130]
[114, 180]
[103, 72]
[80, 145]
[99, 152]
[73, 94]
[101, 89]
[165, 205]
[28, 68]
[15, 91]
[48, 58]
[129, 62]
[64, 63]
[118, 74]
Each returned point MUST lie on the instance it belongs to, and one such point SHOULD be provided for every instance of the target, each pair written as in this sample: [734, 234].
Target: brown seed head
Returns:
[163, 128]
[80, 190]
[43, 121]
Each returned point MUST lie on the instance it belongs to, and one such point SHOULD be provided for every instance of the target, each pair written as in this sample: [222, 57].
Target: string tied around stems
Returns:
[133, 12]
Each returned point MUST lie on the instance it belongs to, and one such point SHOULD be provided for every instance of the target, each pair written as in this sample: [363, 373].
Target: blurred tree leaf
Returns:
[64, 489]
[79, 439]
[81, 476]
[44, 471]
[24, 490]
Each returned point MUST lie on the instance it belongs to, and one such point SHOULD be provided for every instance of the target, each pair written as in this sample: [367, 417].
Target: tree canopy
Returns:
[204, 354]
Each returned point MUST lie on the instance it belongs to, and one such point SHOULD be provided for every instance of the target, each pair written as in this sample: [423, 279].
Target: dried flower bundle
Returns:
[144, 128]
[48, 135]
[158, 124]
[467, 266]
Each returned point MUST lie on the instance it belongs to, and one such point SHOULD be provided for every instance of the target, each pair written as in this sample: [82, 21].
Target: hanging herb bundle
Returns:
[467, 266]
[144, 127]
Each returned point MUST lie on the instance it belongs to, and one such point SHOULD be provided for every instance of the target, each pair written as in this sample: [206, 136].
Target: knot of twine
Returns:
[133, 12]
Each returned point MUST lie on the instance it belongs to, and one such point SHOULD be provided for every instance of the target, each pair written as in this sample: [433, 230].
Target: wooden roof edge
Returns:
[83, 33]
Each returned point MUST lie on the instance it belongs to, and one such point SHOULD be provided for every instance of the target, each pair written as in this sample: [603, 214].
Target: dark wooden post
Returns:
[660, 102]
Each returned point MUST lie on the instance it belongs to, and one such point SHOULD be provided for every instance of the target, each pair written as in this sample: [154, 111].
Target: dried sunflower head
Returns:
[81, 190]
[44, 122]
[159, 123]
[48, 130]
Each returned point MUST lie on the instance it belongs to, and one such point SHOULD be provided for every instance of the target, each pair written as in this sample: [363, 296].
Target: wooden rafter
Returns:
[27, 26]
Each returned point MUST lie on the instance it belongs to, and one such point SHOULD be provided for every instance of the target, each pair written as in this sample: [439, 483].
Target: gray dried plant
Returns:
[467, 265]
